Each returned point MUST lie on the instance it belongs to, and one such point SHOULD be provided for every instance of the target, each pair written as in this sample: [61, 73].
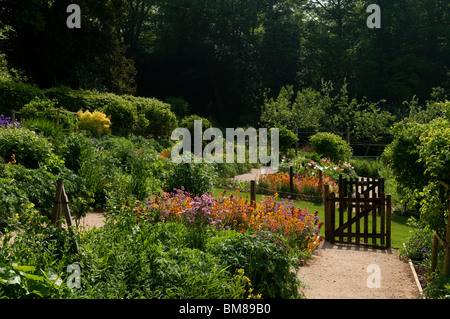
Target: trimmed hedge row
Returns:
[147, 116]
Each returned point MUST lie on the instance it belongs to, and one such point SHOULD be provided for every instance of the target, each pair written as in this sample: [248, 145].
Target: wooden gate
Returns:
[358, 219]
[362, 185]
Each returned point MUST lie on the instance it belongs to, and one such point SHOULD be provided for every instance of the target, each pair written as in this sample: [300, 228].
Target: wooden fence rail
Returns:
[58, 114]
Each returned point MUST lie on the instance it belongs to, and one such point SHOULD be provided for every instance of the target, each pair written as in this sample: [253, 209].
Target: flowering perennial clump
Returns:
[96, 122]
[303, 166]
[8, 122]
[300, 228]
[307, 187]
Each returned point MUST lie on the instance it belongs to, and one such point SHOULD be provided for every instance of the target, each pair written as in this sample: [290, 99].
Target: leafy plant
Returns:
[30, 149]
[97, 122]
[264, 258]
[332, 146]
[196, 178]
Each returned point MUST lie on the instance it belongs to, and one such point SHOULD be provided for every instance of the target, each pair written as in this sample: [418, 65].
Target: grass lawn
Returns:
[400, 231]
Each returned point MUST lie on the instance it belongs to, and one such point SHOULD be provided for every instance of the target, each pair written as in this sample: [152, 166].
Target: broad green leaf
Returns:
[24, 268]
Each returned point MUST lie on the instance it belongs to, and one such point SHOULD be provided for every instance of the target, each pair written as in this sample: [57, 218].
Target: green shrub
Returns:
[30, 149]
[367, 167]
[69, 99]
[332, 146]
[71, 149]
[123, 115]
[14, 95]
[265, 259]
[40, 188]
[33, 265]
[178, 105]
[438, 288]
[155, 117]
[194, 178]
[188, 122]
[11, 199]
[125, 260]
[67, 122]
[287, 139]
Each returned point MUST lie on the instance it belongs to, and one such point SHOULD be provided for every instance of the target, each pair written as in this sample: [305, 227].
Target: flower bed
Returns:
[297, 226]
[304, 166]
[305, 187]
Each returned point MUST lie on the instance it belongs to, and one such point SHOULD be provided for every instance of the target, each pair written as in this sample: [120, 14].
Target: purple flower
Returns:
[7, 122]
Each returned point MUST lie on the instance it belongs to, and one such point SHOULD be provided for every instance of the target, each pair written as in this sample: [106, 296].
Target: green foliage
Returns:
[418, 247]
[67, 122]
[178, 105]
[125, 260]
[129, 114]
[123, 115]
[332, 146]
[265, 259]
[287, 139]
[15, 95]
[45, 127]
[33, 261]
[11, 199]
[418, 157]
[155, 117]
[438, 288]
[196, 178]
[367, 167]
[188, 122]
[30, 149]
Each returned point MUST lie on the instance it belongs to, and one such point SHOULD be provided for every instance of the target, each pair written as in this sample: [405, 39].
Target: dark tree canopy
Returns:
[222, 56]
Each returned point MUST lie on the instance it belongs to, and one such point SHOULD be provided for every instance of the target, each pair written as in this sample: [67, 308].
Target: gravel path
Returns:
[350, 272]
[254, 174]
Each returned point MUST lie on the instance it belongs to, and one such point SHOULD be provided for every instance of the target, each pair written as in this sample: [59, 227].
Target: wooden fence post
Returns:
[58, 112]
[447, 248]
[434, 254]
[321, 181]
[252, 192]
[291, 179]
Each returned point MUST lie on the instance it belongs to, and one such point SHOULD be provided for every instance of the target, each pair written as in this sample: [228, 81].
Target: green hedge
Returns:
[332, 146]
[129, 114]
[14, 95]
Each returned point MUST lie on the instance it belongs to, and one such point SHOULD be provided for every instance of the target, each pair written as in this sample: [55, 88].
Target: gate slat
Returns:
[374, 222]
[341, 216]
[388, 221]
[349, 211]
[358, 222]
[382, 217]
[332, 216]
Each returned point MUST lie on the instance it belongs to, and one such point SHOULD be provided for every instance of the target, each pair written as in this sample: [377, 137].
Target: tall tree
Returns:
[51, 53]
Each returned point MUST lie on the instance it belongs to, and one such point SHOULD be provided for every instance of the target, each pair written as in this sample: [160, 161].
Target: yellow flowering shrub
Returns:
[96, 122]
